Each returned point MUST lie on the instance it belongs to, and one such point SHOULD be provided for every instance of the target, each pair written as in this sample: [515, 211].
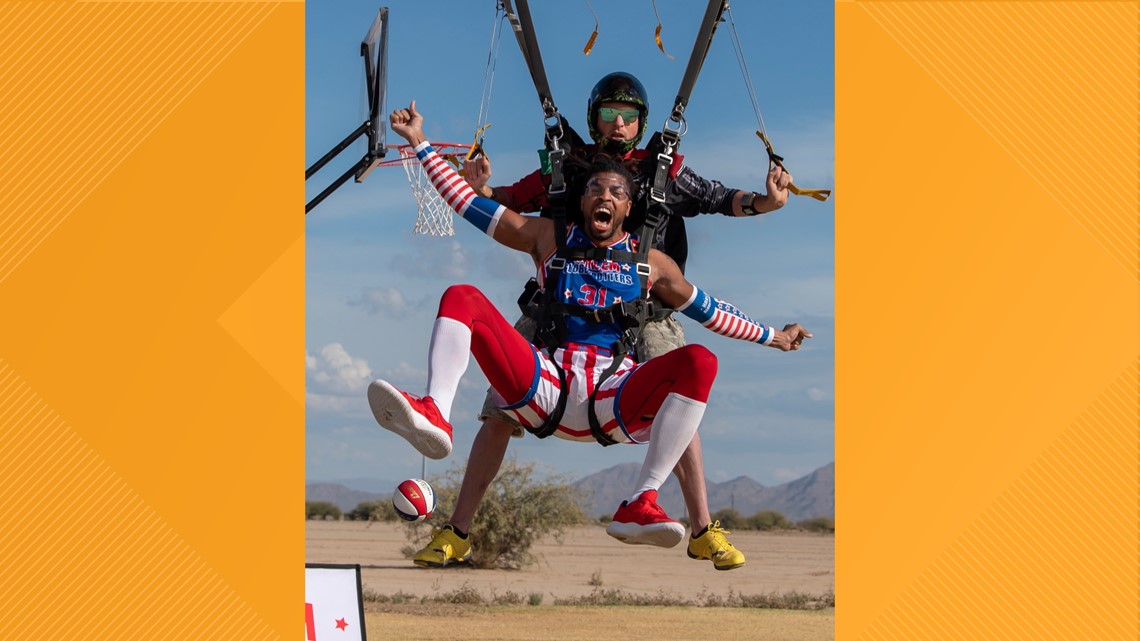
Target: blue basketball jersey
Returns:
[595, 284]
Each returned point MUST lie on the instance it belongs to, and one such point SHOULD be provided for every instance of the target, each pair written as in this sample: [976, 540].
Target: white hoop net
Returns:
[435, 217]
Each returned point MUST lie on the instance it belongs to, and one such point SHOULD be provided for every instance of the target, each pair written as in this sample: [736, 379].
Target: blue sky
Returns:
[372, 287]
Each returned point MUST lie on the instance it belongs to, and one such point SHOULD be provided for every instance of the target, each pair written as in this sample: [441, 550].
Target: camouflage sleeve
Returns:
[689, 194]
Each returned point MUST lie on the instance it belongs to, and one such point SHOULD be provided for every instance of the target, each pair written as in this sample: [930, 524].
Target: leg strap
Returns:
[595, 425]
[550, 425]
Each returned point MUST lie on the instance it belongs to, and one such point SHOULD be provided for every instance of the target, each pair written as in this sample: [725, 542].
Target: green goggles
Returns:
[610, 114]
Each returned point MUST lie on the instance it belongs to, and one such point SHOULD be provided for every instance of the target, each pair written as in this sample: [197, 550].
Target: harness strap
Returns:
[550, 425]
[599, 254]
[656, 312]
[661, 174]
[556, 157]
[655, 214]
[596, 430]
[549, 336]
[626, 314]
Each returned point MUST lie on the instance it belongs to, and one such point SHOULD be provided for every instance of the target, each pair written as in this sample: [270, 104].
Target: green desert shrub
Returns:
[818, 524]
[729, 519]
[321, 511]
[767, 520]
[378, 510]
[519, 508]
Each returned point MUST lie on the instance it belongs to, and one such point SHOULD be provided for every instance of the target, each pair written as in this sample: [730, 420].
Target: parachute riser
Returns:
[552, 120]
[675, 125]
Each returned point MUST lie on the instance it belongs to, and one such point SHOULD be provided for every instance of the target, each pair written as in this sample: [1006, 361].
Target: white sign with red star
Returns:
[334, 605]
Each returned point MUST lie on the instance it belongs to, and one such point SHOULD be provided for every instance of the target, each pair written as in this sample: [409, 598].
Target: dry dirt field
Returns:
[777, 564]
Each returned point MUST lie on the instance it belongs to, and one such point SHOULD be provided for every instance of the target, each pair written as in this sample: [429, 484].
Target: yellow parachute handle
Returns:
[657, 32]
[477, 144]
[593, 36]
[818, 194]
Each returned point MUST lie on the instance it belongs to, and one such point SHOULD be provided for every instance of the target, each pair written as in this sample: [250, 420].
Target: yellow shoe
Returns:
[712, 545]
[445, 548]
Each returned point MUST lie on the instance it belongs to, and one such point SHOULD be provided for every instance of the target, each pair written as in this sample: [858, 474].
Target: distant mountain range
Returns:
[339, 495]
[806, 497]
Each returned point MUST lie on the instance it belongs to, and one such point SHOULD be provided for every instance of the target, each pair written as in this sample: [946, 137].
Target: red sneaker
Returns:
[416, 419]
[643, 522]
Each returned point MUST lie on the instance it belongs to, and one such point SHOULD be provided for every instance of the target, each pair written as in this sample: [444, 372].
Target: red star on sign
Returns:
[341, 624]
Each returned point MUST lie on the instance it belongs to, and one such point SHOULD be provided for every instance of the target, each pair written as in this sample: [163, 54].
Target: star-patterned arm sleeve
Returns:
[725, 319]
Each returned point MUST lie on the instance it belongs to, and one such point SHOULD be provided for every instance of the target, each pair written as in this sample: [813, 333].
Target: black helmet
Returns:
[617, 87]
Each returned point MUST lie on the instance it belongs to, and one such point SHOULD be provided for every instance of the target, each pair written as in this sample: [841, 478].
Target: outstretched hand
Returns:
[408, 123]
[790, 338]
[777, 186]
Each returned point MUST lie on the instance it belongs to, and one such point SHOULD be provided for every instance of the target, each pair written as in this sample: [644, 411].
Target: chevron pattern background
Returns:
[987, 424]
[142, 255]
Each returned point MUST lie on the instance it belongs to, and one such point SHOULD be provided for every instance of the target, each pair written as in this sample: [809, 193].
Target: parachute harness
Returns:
[549, 313]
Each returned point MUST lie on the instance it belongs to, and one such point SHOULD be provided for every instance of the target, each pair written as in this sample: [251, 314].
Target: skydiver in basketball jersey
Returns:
[616, 114]
[660, 401]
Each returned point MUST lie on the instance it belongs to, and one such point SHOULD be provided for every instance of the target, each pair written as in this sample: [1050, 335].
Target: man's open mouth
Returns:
[602, 218]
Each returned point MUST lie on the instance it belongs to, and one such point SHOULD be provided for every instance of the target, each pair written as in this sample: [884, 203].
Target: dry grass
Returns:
[467, 594]
[590, 586]
[447, 622]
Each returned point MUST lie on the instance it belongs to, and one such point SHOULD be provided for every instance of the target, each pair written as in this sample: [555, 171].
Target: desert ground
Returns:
[586, 562]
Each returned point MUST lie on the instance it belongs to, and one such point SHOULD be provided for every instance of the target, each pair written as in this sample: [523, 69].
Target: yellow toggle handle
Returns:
[818, 194]
[477, 144]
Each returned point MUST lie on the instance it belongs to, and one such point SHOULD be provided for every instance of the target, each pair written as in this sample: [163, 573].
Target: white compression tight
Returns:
[448, 357]
[673, 428]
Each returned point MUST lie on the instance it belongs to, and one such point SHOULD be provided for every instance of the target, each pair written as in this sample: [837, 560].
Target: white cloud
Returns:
[405, 375]
[386, 301]
[334, 370]
[433, 258]
[334, 404]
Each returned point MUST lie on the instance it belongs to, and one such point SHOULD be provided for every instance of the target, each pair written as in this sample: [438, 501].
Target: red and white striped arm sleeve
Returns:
[725, 319]
[482, 212]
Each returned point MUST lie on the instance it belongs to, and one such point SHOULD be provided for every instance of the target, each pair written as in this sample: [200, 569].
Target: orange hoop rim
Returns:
[406, 153]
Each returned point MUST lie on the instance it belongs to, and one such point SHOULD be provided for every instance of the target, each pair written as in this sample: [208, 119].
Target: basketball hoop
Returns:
[434, 217]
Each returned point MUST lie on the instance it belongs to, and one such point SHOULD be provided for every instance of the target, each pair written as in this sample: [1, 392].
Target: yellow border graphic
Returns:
[986, 279]
[152, 269]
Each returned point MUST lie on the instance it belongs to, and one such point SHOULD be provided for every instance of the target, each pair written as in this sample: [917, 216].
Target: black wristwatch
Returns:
[746, 205]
